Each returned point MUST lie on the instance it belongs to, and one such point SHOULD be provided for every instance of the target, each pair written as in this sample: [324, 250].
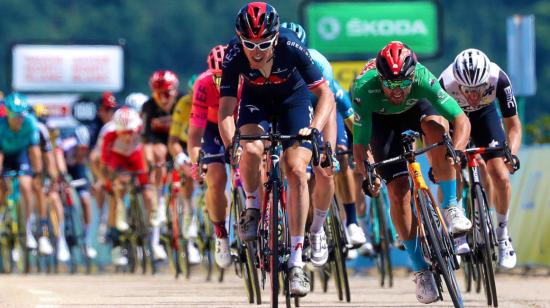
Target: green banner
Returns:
[347, 30]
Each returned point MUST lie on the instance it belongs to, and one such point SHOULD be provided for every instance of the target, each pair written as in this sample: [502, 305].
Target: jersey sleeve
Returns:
[178, 118]
[107, 142]
[199, 109]
[430, 89]
[343, 101]
[230, 69]
[34, 138]
[305, 64]
[505, 96]
[362, 124]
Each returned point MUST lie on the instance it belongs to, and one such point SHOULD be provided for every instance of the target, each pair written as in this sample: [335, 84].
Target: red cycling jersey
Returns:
[206, 101]
[126, 155]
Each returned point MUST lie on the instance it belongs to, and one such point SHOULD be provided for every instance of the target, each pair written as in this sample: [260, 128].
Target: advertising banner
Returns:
[67, 68]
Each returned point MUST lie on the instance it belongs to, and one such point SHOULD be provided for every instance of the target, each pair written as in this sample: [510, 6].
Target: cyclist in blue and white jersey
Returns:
[476, 83]
[278, 74]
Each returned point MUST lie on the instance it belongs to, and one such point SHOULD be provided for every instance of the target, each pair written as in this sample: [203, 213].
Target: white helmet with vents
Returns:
[471, 68]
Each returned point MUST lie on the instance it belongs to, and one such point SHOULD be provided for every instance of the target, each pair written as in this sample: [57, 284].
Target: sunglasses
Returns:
[394, 84]
[262, 46]
[164, 94]
[14, 115]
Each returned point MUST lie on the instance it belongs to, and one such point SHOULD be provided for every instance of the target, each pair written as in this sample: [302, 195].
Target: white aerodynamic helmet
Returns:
[471, 68]
[136, 100]
[127, 119]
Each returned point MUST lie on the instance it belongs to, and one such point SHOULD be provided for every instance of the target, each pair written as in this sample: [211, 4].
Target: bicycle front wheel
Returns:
[441, 256]
[487, 270]
[339, 237]
[274, 245]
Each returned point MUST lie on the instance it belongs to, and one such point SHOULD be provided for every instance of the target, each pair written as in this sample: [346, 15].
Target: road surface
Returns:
[162, 290]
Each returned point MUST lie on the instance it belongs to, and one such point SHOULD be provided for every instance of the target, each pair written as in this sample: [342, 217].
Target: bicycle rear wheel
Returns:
[441, 255]
[487, 270]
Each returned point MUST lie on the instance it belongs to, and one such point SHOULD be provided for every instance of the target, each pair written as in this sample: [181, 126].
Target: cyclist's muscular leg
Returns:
[250, 163]
[25, 185]
[433, 128]
[501, 181]
[216, 203]
[296, 160]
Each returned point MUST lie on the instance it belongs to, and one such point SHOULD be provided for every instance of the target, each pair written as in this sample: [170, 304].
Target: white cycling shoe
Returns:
[44, 246]
[426, 289]
[319, 248]
[506, 255]
[119, 259]
[223, 253]
[91, 252]
[63, 253]
[31, 241]
[456, 220]
[194, 254]
[158, 252]
[356, 235]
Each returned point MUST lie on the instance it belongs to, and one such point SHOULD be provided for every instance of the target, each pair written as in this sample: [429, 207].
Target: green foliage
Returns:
[539, 130]
[178, 34]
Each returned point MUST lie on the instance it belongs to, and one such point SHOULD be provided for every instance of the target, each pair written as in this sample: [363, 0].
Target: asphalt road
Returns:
[162, 290]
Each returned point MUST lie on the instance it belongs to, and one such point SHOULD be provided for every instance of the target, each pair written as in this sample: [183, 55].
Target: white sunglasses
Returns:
[262, 46]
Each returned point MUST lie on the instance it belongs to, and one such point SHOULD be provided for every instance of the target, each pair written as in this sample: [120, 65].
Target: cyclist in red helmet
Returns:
[395, 93]
[278, 76]
[157, 118]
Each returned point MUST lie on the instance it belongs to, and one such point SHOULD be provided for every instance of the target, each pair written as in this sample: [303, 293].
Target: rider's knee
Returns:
[253, 150]
[434, 124]
[398, 188]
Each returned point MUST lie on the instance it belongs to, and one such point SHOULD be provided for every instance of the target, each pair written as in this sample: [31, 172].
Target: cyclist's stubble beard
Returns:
[16, 123]
[258, 59]
[396, 96]
[473, 98]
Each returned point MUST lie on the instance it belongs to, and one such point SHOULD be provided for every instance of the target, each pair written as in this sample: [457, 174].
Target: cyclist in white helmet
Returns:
[136, 100]
[122, 150]
[475, 82]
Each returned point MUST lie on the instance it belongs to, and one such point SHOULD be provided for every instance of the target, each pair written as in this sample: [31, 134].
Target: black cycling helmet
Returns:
[257, 20]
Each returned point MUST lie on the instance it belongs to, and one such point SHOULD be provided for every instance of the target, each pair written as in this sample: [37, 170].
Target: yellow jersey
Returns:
[180, 118]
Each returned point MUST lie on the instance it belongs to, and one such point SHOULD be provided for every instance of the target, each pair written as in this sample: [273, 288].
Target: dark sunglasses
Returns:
[394, 84]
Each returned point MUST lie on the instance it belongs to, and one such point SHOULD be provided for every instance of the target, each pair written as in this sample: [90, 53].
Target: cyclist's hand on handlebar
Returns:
[196, 174]
[306, 131]
[372, 189]
[513, 165]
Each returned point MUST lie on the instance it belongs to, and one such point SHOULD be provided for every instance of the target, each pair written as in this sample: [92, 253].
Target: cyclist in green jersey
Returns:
[392, 94]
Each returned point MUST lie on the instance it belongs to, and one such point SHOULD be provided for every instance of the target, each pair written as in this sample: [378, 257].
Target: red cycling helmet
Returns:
[215, 58]
[257, 20]
[108, 100]
[396, 61]
[163, 81]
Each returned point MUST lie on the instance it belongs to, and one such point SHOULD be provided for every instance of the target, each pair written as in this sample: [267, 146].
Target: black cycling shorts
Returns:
[386, 136]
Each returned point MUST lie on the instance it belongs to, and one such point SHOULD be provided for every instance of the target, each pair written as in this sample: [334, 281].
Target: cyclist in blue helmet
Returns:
[20, 153]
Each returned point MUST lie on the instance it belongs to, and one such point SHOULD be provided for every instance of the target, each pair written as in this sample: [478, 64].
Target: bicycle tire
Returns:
[442, 263]
[21, 239]
[486, 254]
[468, 269]
[384, 254]
[340, 255]
[273, 242]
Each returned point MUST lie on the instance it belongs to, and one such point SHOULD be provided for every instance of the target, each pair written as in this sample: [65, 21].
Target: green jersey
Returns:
[368, 97]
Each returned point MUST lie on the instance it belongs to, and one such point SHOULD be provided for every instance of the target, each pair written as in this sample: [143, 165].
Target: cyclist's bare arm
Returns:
[325, 106]
[349, 123]
[35, 156]
[60, 162]
[225, 117]
[513, 133]
[51, 164]
[194, 142]
[461, 125]
[174, 146]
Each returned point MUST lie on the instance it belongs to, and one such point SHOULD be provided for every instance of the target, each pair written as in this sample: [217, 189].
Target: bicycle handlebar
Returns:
[314, 137]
